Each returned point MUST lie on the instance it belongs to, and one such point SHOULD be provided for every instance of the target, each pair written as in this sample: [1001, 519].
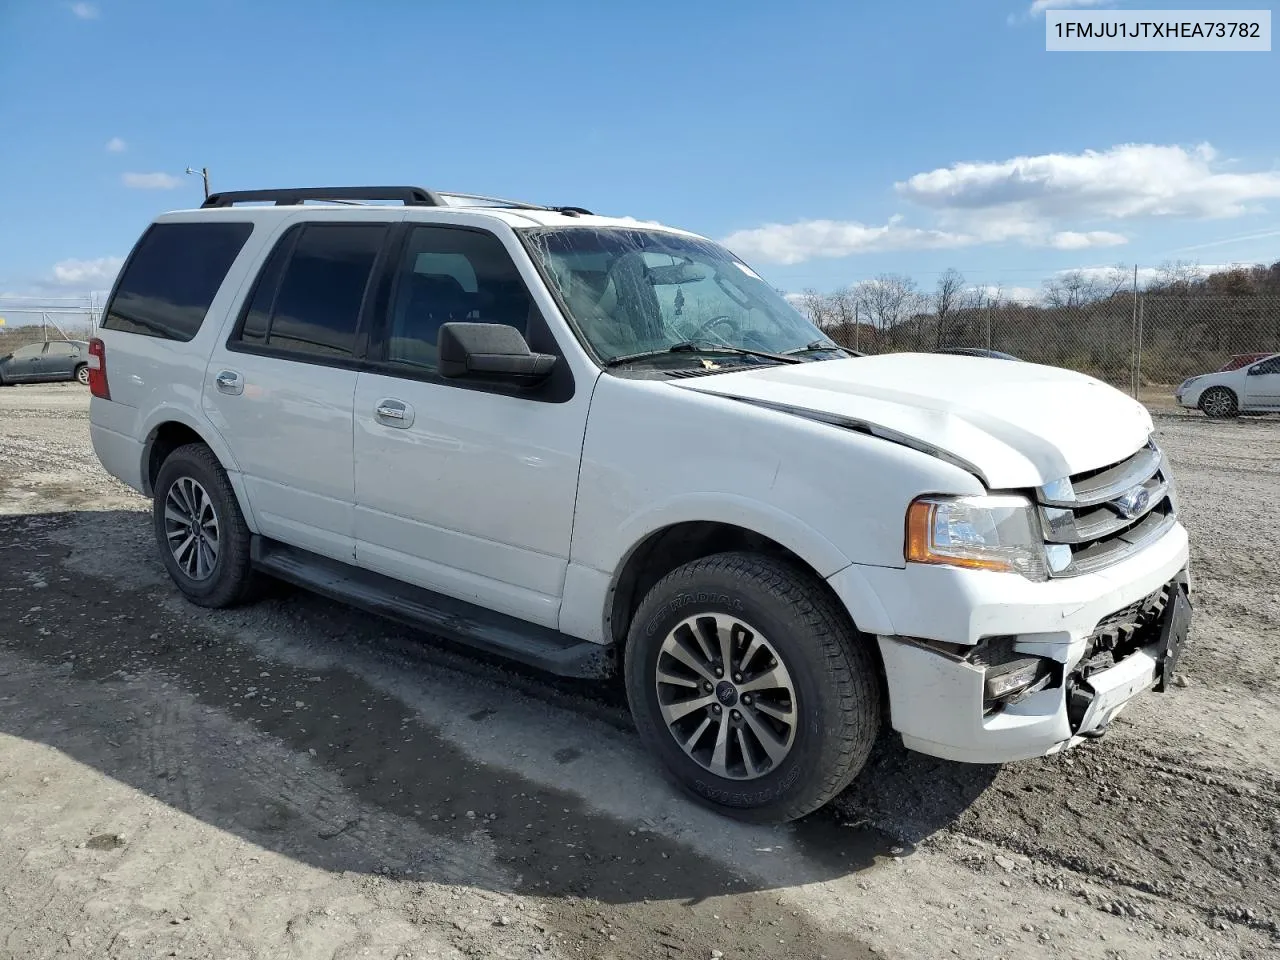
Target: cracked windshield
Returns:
[646, 294]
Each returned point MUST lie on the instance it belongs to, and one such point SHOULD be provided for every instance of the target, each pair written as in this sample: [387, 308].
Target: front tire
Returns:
[1219, 403]
[748, 682]
[203, 539]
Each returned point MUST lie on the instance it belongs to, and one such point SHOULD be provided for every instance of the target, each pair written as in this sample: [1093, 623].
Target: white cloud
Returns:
[151, 181]
[116, 145]
[96, 274]
[1054, 200]
[85, 11]
[1038, 7]
[795, 242]
[1072, 240]
[1125, 182]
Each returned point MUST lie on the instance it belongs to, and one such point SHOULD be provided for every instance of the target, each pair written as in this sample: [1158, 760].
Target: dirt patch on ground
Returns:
[295, 779]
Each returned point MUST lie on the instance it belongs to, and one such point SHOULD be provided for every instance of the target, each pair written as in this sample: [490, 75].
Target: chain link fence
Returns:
[1143, 343]
[26, 320]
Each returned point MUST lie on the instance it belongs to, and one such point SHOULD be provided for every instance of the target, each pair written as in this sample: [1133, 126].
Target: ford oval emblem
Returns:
[1133, 501]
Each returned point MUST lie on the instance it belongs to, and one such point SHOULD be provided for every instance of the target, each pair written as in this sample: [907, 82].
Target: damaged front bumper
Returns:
[1019, 695]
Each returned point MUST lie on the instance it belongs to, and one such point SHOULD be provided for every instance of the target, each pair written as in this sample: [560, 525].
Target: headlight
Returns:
[1188, 382]
[981, 533]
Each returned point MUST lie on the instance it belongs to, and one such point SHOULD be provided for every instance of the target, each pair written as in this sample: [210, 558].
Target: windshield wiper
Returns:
[816, 346]
[691, 346]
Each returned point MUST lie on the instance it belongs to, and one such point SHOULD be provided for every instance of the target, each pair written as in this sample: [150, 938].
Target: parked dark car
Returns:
[41, 362]
[978, 352]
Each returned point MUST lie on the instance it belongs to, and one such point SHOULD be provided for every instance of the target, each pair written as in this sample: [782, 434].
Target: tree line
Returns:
[1181, 320]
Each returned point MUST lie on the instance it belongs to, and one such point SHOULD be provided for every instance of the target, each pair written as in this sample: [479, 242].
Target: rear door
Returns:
[1262, 385]
[60, 358]
[281, 389]
[463, 488]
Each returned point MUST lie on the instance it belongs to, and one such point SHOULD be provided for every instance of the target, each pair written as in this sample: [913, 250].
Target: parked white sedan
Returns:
[1253, 388]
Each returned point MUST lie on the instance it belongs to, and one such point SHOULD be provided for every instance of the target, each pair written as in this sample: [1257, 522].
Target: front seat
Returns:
[434, 299]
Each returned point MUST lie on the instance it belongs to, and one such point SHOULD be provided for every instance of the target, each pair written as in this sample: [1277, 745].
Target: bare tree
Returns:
[1176, 276]
[817, 306]
[946, 298]
[887, 301]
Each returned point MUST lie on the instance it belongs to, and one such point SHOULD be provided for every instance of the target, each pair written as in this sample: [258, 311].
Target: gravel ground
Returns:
[295, 779]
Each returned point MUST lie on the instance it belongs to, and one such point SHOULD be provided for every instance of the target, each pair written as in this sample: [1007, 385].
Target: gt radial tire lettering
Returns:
[682, 600]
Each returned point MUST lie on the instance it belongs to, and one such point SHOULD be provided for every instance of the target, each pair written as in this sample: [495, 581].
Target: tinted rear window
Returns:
[172, 277]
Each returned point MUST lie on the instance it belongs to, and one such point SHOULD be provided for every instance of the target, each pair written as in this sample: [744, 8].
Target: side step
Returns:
[463, 622]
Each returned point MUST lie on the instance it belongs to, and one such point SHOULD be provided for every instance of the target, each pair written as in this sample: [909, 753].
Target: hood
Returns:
[1013, 424]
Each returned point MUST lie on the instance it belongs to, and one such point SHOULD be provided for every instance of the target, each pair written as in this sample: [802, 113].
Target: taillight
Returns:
[98, 369]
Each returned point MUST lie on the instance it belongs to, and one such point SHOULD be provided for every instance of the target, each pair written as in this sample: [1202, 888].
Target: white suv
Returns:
[599, 445]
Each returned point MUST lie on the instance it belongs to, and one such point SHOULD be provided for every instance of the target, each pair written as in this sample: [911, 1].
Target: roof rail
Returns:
[516, 204]
[409, 196]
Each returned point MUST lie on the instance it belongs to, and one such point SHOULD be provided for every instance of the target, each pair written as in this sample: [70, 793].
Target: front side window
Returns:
[450, 275]
[172, 277]
[29, 352]
[635, 290]
[308, 297]
[1268, 366]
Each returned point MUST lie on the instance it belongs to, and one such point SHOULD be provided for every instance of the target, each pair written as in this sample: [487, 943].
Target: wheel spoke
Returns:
[676, 650]
[725, 630]
[747, 760]
[721, 751]
[775, 678]
[775, 748]
[785, 714]
[693, 739]
[700, 636]
[674, 712]
[675, 679]
[754, 646]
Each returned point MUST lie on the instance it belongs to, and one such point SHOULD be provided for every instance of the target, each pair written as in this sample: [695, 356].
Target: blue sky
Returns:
[828, 142]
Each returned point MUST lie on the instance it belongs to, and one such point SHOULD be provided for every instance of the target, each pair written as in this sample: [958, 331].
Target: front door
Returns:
[464, 489]
[1262, 385]
[26, 365]
[280, 391]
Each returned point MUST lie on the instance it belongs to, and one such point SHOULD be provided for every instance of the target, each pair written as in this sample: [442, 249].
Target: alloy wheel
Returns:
[726, 696]
[191, 528]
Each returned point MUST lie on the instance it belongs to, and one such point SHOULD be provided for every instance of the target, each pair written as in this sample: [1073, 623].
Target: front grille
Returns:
[1096, 518]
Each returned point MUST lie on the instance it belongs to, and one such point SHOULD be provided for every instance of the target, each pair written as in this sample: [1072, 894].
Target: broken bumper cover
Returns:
[1105, 638]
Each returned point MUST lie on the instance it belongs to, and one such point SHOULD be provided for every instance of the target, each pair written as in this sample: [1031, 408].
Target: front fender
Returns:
[810, 545]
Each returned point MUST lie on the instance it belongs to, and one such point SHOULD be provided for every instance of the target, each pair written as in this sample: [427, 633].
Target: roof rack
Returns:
[409, 196]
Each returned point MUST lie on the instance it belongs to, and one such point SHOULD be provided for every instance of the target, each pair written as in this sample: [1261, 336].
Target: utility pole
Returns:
[1133, 338]
[204, 173]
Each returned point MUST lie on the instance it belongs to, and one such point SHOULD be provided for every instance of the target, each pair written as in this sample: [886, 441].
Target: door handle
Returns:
[393, 413]
[228, 381]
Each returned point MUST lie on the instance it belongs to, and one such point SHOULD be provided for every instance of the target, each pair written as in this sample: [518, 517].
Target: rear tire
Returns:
[1219, 403]
[796, 701]
[82, 374]
[203, 539]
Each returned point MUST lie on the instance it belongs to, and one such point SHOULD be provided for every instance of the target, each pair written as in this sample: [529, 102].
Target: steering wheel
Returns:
[733, 325]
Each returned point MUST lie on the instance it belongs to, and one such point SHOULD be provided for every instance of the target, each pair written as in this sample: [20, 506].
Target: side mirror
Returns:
[1255, 371]
[490, 351]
